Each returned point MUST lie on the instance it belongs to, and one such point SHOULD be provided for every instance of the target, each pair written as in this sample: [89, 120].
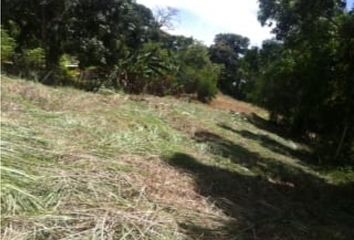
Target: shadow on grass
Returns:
[268, 126]
[318, 157]
[279, 130]
[279, 202]
[273, 145]
[225, 148]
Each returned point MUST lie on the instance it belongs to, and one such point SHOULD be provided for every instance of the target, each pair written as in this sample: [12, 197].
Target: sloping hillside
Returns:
[79, 165]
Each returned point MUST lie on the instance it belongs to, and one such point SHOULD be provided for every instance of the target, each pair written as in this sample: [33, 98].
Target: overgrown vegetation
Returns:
[135, 55]
[305, 77]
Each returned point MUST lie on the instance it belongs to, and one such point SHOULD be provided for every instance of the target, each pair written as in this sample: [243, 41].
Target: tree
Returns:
[41, 23]
[176, 43]
[342, 101]
[197, 74]
[296, 19]
[101, 32]
[304, 83]
[97, 32]
[250, 66]
[165, 17]
[227, 50]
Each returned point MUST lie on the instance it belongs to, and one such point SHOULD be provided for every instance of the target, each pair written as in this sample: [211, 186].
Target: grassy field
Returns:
[78, 165]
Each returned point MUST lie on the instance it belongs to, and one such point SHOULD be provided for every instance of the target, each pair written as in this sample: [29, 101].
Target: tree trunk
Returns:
[340, 145]
[52, 65]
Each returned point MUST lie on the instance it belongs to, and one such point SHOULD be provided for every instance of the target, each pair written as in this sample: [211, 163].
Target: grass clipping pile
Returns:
[53, 189]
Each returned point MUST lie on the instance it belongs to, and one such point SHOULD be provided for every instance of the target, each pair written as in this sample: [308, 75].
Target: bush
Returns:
[7, 46]
[148, 70]
[30, 63]
[68, 75]
[197, 74]
[156, 70]
[207, 84]
[34, 58]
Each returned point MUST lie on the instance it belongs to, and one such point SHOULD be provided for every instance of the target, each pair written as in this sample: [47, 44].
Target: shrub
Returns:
[30, 63]
[8, 45]
[146, 70]
[34, 58]
[207, 84]
[68, 75]
[197, 74]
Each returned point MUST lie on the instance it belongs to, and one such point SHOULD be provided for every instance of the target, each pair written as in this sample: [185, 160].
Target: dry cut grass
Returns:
[77, 165]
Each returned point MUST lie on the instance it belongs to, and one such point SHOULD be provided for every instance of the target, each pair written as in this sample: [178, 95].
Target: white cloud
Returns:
[216, 16]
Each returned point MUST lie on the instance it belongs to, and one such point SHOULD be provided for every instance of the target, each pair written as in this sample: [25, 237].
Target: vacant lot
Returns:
[79, 165]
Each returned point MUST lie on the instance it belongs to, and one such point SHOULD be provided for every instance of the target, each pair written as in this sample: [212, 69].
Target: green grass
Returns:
[78, 165]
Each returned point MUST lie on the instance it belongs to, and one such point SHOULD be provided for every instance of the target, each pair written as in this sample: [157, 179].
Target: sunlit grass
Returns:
[78, 165]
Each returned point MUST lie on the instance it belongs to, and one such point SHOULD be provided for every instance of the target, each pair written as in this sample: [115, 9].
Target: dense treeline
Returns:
[304, 76]
[116, 43]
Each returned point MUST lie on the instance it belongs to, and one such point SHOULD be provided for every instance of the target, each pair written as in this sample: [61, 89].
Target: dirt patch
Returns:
[227, 103]
[7, 106]
[184, 125]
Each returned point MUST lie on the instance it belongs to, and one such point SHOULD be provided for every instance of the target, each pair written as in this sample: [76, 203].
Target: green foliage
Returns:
[227, 50]
[175, 43]
[96, 32]
[117, 44]
[250, 65]
[197, 73]
[34, 58]
[155, 69]
[305, 82]
[40, 24]
[207, 84]
[30, 63]
[142, 71]
[8, 45]
[98, 40]
[69, 74]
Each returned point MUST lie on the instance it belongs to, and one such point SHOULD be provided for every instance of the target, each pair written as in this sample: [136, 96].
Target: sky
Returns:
[203, 19]
[350, 4]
